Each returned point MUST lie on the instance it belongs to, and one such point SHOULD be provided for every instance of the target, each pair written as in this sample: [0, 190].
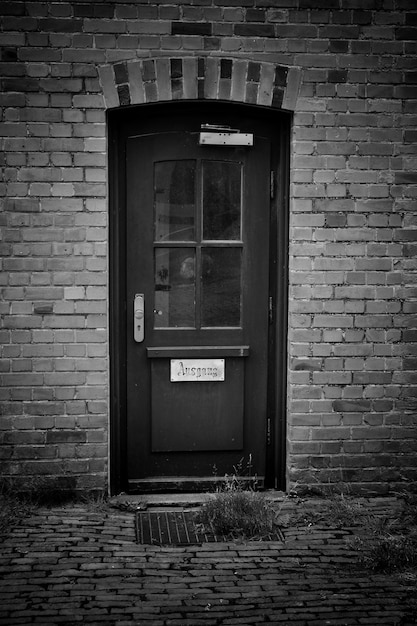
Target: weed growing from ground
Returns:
[344, 510]
[20, 496]
[12, 510]
[385, 543]
[234, 514]
[96, 502]
[390, 553]
[389, 544]
[336, 510]
[13, 506]
[236, 510]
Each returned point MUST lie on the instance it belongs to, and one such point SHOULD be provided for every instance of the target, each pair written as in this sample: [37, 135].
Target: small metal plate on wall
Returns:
[226, 139]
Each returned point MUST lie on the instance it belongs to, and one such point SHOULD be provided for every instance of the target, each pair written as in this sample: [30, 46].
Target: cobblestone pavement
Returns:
[75, 565]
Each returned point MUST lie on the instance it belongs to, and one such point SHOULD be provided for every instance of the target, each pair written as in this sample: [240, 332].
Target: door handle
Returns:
[139, 318]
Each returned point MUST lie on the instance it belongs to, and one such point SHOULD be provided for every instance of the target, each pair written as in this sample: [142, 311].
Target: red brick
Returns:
[352, 224]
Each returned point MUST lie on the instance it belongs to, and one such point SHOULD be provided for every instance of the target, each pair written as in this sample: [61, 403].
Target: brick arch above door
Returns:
[165, 79]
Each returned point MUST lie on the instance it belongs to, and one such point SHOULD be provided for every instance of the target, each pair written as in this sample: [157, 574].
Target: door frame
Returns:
[275, 476]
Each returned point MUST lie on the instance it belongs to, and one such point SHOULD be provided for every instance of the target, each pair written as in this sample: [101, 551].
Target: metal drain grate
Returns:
[178, 528]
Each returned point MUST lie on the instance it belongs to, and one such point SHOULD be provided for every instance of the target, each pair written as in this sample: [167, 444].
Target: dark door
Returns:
[197, 306]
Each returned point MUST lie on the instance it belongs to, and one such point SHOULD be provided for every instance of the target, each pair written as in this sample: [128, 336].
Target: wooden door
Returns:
[197, 307]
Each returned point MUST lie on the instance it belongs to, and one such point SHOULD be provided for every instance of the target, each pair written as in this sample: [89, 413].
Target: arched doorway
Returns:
[198, 226]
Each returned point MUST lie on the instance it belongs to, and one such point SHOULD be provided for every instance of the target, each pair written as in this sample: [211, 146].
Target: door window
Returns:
[174, 200]
[174, 288]
[198, 244]
[222, 182]
[221, 287]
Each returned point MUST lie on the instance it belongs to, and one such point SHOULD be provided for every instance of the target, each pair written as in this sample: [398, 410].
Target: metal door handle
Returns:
[139, 318]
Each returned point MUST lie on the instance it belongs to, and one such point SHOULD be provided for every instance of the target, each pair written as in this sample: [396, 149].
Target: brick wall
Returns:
[352, 394]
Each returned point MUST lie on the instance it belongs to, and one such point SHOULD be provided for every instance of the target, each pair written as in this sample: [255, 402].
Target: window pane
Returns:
[221, 287]
[174, 288]
[221, 200]
[174, 200]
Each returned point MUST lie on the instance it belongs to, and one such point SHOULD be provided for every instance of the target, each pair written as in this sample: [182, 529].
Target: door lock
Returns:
[139, 318]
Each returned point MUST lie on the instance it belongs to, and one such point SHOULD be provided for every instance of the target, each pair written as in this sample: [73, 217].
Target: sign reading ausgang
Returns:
[197, 370]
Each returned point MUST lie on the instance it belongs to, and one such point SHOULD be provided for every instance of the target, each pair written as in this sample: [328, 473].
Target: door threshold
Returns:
[175, 500]
[156, 500]
[189, 485]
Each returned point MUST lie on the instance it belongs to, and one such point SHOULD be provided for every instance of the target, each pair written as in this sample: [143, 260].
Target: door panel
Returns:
[208, 415]
[197, 248]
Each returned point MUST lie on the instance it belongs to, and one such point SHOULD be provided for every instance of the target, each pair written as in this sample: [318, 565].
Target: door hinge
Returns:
[271, 309]
[268, 431]
[272, 184]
